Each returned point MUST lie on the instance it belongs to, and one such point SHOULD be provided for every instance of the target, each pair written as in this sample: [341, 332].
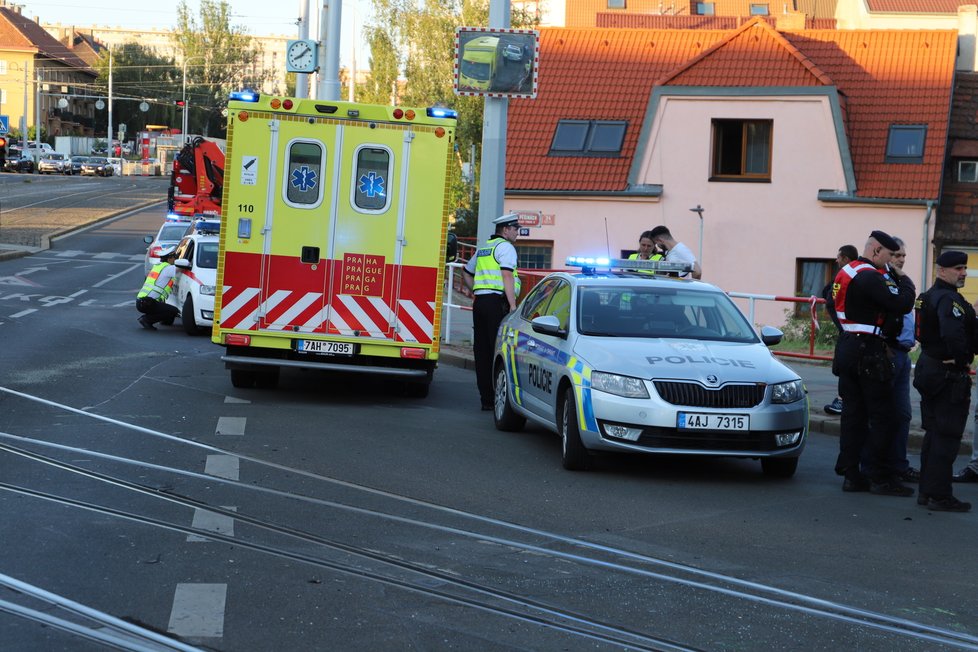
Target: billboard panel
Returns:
[496, 62]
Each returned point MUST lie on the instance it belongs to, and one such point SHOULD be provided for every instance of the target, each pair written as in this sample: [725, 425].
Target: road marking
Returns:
[115, 276]
[198, 610]
[230, 426]
[233, 399]
[222, 466]
[23, 313]
[16, 280]
[212, 522]
[77, 294]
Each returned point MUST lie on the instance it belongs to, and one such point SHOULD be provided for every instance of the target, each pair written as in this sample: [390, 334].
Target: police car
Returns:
[193, 292]
[612, 359]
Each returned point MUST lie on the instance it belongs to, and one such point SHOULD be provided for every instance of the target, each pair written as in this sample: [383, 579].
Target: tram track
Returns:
[539, 542]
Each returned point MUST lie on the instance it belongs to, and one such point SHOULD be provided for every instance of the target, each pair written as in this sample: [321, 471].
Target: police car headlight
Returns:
[207, 289]
[787, 392]
[619, 385]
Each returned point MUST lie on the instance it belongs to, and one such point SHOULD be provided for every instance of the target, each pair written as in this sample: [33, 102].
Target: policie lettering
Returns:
[541, 378]
[689, 359]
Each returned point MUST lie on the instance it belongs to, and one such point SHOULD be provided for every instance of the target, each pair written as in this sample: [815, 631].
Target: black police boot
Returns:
[890, 487]
[948, 504]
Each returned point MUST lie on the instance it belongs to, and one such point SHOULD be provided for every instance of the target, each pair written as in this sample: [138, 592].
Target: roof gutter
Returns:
[924, 244]
[650, 190]
[834, 196]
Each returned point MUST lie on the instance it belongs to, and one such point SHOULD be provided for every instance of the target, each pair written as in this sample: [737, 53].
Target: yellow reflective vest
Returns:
[488, 273]
[150, 286]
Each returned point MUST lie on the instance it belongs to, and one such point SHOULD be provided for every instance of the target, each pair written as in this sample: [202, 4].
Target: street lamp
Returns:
[186, 121]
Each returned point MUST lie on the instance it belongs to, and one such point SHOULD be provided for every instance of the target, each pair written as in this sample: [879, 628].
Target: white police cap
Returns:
[509, 219]
[168, 251]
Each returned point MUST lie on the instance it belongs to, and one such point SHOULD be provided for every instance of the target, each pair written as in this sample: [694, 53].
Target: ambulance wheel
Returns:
[187, 316]
[779, 467]
[243, 378]
[502, 413]
[573, 453]
[267, 379]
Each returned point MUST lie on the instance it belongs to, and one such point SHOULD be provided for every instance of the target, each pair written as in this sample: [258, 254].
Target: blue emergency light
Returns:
[589, 264]
[246, 95]
[442, 112]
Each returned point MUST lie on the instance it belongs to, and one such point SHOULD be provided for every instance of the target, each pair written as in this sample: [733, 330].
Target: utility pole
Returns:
[302, 78]
[330, 26]
[37, 116]
[109, 150]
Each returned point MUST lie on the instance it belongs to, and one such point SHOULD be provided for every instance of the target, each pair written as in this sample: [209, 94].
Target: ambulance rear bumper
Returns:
[247, 362]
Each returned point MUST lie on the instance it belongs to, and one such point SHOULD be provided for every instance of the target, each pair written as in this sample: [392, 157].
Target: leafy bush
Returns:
[797, 328]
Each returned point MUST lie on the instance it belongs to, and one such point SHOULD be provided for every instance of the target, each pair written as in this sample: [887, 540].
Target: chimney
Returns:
[967, 35]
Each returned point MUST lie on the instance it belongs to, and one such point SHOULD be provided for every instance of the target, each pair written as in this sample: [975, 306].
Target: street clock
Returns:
[301, 55]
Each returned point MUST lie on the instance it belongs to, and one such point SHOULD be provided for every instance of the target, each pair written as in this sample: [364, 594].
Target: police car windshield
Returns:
[632, 311]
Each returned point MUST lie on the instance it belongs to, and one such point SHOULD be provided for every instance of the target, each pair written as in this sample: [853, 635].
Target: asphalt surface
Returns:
[819, 381]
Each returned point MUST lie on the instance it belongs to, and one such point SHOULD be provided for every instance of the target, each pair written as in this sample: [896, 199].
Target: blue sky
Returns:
[257, 17]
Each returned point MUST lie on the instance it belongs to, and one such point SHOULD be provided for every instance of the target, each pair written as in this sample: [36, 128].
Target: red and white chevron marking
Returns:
[303, 312]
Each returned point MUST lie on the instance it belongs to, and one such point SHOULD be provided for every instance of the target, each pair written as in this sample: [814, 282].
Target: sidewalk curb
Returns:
[10, 252]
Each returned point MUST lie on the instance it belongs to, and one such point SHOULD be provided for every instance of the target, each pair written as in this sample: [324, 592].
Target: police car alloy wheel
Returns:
[506, 420]
[573, 453]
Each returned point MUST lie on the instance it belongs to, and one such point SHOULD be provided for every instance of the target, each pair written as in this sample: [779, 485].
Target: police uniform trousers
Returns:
[945, 400]
[865, 372]
[156, 311]
[488, 311]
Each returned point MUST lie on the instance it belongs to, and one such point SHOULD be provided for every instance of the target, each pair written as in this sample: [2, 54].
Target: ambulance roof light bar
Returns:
[442, 112]
[246, 95]
[589, 265]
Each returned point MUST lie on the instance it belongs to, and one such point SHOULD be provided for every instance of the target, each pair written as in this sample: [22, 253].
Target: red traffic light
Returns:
[3, 142]
[180, 103]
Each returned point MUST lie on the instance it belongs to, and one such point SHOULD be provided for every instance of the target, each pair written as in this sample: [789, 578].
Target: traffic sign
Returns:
[4, 124]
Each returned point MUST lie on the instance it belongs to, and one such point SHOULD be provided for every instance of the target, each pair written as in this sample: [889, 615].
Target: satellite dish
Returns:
[100, 105]
[143, 107]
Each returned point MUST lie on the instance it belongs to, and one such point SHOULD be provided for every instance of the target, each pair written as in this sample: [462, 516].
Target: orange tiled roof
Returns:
[885, 77]
[18, 32]
[666, 21]
[917, 6]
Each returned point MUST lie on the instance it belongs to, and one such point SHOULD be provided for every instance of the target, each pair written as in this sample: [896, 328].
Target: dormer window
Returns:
[705, 8]
[906, 144]
[968, 171]
[588, 138]
[759, 10]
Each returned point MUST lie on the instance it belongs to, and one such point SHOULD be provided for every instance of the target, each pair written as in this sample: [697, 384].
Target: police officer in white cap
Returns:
[492, 277]
[151, 300]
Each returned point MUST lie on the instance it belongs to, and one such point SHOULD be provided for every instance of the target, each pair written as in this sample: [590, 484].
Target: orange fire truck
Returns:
[333, 243]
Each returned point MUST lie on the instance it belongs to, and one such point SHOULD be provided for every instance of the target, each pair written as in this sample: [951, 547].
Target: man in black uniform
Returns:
[947, 332]
[870, 307]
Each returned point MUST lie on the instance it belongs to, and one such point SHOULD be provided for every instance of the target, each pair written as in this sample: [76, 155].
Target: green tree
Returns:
[413, 44]
[219, 58]
[138, 74]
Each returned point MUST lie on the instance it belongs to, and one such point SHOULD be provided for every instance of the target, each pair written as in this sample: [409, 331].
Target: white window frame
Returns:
[355, 180]
[968, 171]
[287, 178]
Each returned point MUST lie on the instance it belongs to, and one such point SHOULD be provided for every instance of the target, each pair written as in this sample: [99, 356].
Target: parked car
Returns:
[97, 166]
[76, 164]
[621, 361]
[53, 163]
[168, 236]
[513, 52]
[18, 163]
[193, 291]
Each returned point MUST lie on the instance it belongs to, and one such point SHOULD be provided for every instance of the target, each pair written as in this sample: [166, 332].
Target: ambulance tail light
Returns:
[287, 104]
[235, 339]
[398, 114]
[413, 354]
[245, 96]
[442, 112]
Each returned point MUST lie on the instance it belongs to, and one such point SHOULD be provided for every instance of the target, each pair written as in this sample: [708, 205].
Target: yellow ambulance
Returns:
[333, 244]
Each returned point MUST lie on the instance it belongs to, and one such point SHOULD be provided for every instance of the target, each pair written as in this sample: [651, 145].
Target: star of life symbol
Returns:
[372, 185]
[303, 178]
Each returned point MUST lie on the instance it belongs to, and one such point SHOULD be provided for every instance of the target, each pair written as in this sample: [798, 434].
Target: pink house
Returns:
[793, 143]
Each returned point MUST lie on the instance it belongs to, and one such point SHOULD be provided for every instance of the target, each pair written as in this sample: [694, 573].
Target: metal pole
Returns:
[23, 118]
[183, 123]
[699, 211]
[302, 78]
[109, 149]
[329, 52]
[37, 117]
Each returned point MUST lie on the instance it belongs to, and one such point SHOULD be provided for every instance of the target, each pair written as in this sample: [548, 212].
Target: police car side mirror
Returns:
[548, 325]
[451, 248]
[148, 239]
[771, 335]
[183, 263]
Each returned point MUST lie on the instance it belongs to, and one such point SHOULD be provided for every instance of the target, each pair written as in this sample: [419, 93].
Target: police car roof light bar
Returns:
[589, 264]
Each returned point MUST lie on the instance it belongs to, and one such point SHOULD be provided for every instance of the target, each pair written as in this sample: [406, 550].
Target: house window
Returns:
[3, 96]
[616, 4]
[742, 150]
[3, 66]
[811, 276]
[758, 10]
[705, 8]
[968, 171]
[534, 255]
[906, 144]
[588, 138]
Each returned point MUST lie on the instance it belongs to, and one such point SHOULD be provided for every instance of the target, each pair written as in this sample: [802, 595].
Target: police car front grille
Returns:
[695, 395]
[672, 439]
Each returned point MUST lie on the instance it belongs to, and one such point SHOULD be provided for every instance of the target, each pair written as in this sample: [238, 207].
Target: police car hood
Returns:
[680, 358]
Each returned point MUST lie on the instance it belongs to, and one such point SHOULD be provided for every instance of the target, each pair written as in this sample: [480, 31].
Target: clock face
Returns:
[301, 57]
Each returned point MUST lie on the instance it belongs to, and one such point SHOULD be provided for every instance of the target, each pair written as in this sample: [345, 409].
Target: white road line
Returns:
[115, 276]
[222, 466]
[234, 399]
[23, 312]
[230, 426]
[198, 610]
[78, 294]
[212, 522]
